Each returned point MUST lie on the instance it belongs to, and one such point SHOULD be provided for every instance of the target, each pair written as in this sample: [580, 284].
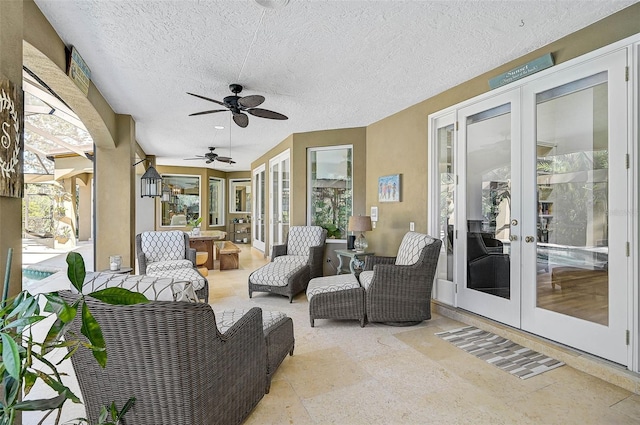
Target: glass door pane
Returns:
[285, 196]
[275, 205]
[488, 200]
[259, 206]
[573, 199]
[446, 172]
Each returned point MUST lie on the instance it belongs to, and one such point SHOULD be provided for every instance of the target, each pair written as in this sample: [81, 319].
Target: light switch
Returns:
[412, 226]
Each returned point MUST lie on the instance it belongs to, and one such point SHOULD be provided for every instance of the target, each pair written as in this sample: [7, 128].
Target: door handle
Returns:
[529, 239]
[513, 238]
[514, 222]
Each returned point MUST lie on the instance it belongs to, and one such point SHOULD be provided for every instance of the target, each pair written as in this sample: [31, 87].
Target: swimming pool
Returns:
[29, 274]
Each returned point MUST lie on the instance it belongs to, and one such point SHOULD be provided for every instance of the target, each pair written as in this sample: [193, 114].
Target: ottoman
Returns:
[288, 279]
[199, 282]
[336, 297]
[278, 335]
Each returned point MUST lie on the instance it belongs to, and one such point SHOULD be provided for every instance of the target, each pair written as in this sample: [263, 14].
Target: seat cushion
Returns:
[163, 246]
[320, 285]
[411, 247]
[293, 259]
[154, 288]
[274, 274]
[183, 274]
[227, 318]
[301, 238]
[366, 277]
[163, 266]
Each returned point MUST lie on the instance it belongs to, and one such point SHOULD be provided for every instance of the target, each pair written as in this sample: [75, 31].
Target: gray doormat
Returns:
[501, 352]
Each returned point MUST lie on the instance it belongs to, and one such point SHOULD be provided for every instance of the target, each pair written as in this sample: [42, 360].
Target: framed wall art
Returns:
[11, 139]
[389, 188]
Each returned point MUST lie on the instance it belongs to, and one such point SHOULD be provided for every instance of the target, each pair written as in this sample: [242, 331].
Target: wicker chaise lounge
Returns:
[173, 359]
[292, 264]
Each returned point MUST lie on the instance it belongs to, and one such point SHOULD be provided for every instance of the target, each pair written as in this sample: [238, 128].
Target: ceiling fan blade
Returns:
[225, 159]
[207, 98]
[208, 112]
[241, 119]
[265, 113]
[208, 161]
[251, 101]
[198, 157]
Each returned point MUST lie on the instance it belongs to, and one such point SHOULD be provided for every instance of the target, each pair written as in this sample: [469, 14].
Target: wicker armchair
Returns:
[293, 264]
[398, 289]
[174, 360]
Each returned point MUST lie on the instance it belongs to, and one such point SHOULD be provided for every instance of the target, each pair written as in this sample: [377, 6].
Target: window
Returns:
[184, 202]
[216, 201]
[240, 196]
[330, 189]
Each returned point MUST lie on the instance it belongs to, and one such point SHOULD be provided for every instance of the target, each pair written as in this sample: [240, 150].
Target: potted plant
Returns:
[24, 359]
[195, 226]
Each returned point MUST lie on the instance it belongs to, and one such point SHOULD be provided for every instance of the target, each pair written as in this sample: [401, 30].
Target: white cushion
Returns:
[184, 274]
[365, 278]
[162, 266]
[411, 247]
[293, 259]
[340, 282]
[274, 274]
[154, 288]
[301, 238]
[227, 318]
[163, 246]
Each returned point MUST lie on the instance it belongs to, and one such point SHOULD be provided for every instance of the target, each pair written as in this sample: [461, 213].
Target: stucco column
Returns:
[11, 208]
[115, 197]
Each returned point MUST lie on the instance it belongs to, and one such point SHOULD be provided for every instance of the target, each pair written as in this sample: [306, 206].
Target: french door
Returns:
[542, 201]
[259, 206]
[576, 223]
[279, 198]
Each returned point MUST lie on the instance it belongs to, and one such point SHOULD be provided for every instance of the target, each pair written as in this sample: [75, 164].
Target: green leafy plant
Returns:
[195, 222]
[333, 231]
[24, 359]
[104, 419]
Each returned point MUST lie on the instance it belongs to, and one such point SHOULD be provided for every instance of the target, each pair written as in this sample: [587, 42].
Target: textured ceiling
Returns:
[324, 64]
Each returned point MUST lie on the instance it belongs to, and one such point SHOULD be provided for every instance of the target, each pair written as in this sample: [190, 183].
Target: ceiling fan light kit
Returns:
[239, 105]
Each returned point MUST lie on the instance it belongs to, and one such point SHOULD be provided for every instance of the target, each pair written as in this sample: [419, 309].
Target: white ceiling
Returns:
[324, 64]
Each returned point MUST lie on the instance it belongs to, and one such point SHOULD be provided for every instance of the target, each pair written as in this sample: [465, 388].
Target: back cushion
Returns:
[301, 238]
[163, 246]
[411, 247]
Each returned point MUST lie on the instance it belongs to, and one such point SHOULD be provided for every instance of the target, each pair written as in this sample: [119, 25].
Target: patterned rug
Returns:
[500, 352]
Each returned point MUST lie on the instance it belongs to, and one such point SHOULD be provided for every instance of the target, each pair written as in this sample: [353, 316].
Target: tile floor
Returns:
[343, 374]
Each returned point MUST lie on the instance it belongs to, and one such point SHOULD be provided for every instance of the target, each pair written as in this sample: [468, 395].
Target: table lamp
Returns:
[361, 223]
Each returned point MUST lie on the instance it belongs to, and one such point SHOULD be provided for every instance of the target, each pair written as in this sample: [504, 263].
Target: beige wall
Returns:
[11, 208]
[398, 144]
[297, 145]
